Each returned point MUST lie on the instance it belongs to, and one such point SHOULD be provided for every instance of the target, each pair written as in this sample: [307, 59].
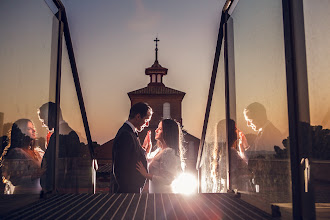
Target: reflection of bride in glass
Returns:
[22, 160]
[164, 163]
[237, 143]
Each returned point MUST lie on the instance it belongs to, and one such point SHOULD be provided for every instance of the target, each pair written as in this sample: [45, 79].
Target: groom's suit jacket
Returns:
[126, 152]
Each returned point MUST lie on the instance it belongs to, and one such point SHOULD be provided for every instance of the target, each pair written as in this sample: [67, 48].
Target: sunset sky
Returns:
[113, 44]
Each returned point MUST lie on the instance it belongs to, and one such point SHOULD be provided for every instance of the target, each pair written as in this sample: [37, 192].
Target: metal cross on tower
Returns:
[156, 40]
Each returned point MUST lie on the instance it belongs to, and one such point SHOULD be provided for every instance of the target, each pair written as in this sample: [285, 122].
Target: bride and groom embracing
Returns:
[133, 164]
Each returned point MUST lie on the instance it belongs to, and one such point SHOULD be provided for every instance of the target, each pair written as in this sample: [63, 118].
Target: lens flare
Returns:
[185, 183]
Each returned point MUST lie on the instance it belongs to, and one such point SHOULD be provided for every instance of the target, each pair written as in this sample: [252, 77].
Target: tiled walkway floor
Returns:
[139, 206]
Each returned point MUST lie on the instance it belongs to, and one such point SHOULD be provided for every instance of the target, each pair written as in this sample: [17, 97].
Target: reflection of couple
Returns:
[129, 157]
[244, 163]
[26, 168]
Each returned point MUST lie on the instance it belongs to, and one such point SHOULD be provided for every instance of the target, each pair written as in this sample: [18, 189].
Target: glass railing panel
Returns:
[213, 161]
[317, 35]
[74, 162]
[262, 170]
[28, 53]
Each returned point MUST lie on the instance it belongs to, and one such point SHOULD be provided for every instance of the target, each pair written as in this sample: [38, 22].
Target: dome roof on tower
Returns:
[156, 68]
[156, 90]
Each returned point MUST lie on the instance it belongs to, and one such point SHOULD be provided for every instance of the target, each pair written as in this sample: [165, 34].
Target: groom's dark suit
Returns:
[126, 152]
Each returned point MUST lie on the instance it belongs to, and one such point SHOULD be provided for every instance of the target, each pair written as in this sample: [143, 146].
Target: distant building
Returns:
[166, 103]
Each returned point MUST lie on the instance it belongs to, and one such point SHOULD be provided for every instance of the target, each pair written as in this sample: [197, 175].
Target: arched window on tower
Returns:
[153, 78]
[166, 110]
[159, 78]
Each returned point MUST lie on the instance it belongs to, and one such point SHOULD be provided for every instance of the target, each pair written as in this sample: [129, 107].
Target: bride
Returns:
[164, 164]
[22, 160]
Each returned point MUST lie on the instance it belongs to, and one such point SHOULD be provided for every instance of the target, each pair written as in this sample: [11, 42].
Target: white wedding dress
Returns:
[165, 165]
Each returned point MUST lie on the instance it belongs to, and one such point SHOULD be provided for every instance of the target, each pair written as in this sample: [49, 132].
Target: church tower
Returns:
[165, 102]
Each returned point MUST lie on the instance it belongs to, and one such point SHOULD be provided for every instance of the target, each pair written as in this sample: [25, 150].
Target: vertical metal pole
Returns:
[227, 103]
[298, 107]
[211, 89]
[230, 93]
[77, 82]
[75, 76]
[58, 92]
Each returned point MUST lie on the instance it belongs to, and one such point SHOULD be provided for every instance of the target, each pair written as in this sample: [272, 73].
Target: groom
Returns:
[127, 150]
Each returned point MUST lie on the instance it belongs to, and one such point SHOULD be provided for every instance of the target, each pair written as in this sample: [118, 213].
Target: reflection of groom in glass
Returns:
[268, 135]
[69, 148]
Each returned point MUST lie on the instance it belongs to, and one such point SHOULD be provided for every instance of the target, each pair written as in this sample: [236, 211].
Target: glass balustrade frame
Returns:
[303, 204]
[64, 30]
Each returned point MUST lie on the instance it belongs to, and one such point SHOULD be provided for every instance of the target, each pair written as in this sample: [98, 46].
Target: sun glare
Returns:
[185, 183]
